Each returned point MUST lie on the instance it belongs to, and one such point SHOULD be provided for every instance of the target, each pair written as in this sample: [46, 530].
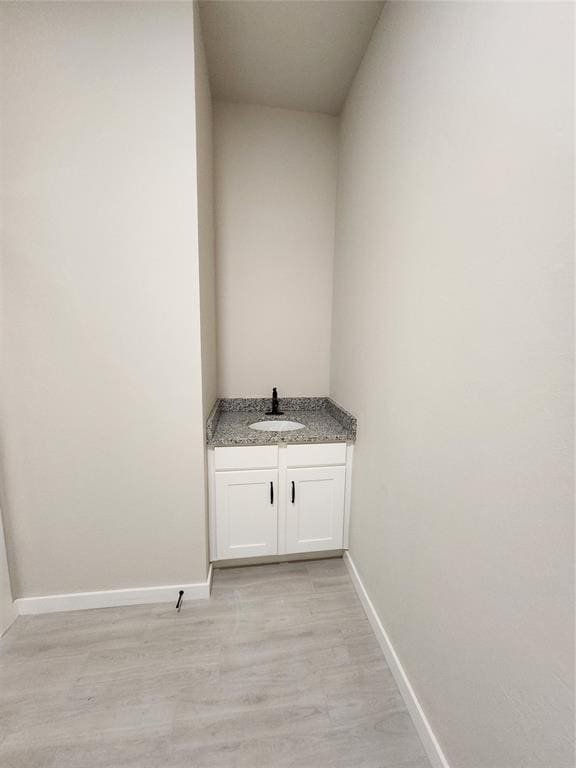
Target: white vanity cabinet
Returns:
[247, 513]
[274, 500]
[315, 509]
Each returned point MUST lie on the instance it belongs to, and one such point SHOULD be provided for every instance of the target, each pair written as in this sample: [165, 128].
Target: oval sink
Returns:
[276, 426]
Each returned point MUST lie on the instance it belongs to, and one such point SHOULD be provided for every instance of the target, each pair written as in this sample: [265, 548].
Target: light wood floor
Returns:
[280, 668]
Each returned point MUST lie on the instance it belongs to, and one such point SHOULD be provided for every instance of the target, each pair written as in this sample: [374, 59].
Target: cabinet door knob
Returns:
[271, 492]
[293, 492]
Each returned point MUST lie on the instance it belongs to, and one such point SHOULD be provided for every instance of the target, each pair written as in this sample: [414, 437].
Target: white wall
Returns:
[7, 610]
[206, 248]
[275, 183]
[103, 424]
[452, 343]
[206, 240]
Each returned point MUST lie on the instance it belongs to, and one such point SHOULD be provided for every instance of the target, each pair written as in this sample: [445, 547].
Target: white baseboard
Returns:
[429, 740]
[78, 601]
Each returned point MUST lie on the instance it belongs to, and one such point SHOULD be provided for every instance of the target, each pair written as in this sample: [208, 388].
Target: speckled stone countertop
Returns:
[324, 422]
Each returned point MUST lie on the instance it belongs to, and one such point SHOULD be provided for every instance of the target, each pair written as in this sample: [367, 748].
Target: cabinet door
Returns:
[315, 508]
[247, 513]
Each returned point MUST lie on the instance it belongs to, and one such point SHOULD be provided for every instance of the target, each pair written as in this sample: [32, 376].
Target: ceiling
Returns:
[296, 54]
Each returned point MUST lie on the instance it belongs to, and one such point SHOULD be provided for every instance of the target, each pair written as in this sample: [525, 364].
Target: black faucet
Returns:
[274, 411]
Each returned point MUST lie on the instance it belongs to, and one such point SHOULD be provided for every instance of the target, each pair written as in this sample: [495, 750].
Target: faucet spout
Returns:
[275, 405]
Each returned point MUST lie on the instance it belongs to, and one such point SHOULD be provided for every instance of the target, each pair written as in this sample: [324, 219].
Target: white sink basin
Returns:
[276, 426]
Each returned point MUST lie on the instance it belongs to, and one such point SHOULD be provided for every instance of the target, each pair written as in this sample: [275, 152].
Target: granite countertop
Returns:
[324, 422]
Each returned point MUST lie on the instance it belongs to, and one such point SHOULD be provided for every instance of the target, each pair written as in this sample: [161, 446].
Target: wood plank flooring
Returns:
[279, 669]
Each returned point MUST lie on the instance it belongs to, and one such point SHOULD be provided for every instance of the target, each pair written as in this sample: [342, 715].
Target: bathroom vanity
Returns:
[279, 492]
